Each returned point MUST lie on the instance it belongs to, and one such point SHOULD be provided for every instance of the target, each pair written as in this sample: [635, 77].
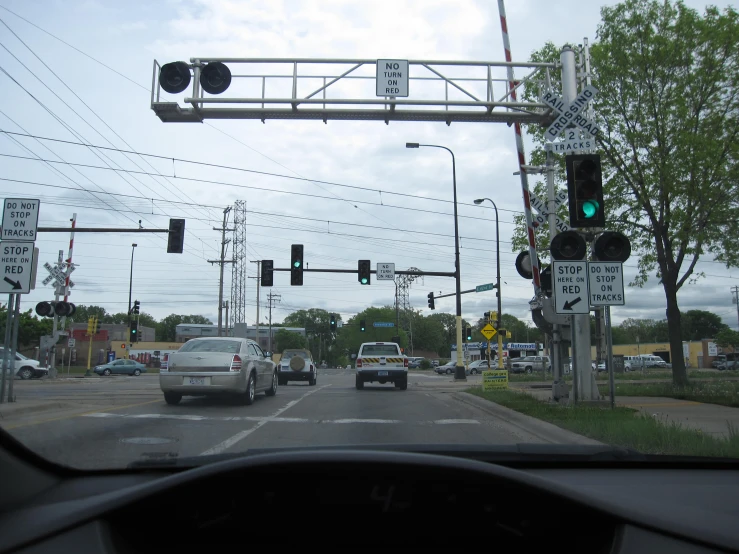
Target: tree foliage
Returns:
[289, 339]
[668, 109]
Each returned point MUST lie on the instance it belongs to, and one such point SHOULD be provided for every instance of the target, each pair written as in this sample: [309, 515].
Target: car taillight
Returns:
[359, 362]
[165, 363]
[405, 362]
[236, 363]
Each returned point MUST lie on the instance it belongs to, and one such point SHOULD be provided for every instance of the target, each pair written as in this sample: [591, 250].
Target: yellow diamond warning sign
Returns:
[488, 331]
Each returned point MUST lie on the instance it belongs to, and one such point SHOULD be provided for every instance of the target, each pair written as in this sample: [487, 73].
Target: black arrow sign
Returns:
[16, 284]
[568, 305]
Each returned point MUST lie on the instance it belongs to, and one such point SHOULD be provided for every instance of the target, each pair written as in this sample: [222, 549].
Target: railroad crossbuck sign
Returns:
[570, 287]
[570, 114]
[606, 281]
[392, 78]
[541, 207]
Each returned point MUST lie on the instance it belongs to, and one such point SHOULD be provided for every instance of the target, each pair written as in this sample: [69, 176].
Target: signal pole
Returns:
[258, 278]
[222, 262]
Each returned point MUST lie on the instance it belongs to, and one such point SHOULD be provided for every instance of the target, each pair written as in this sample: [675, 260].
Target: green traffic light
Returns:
[590, 208]
[364, 280]
[296, 263]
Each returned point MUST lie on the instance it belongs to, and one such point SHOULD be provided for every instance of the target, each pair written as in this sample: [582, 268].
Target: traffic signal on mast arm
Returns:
[136, 307]
[134, 336]
[468, 333]
[585, 190]
[332, 322]
[364, 272]
[431, 301]
[296, 264]
[268, 274]
[176, 237]
[362, 326]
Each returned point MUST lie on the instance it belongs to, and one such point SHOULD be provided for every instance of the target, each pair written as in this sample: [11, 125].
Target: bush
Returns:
[425, 364]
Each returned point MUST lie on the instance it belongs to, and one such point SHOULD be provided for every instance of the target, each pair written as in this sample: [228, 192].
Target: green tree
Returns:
[315, 321]
[700, 324]
[349, 337]
[428, 333]
[289, 339]
[669, 116]
[166, 328]
[727, 337]
[82, 313]
[30, 327]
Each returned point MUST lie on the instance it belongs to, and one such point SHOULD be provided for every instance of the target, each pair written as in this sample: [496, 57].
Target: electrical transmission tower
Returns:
[402, 297]
[238, 273]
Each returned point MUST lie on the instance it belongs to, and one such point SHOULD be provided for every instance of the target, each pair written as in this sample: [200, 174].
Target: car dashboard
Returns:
[339, 499]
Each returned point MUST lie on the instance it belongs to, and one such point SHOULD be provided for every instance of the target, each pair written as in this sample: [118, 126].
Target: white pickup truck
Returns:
[382, 362]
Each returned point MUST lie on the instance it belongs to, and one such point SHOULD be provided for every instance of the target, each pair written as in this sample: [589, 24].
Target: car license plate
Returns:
[381, 373]
[196, 381]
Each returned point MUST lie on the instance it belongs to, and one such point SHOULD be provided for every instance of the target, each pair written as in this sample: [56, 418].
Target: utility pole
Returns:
[258, 278]
[735, 292]
[225, 305]
[222, 262]
[271, 298]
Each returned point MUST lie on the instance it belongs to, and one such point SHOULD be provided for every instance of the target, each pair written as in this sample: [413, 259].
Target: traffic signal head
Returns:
[431, 301]
[332, 322]
[45, 309]
[546, 281]
[268, 274]
[362, 326]
[568, 245]
[585, 189]
[364, 272]
[468, 333]
[176, 237]
[612, 246]
[95, 325]
[215, 77]
[174, 77]
[90, 325]
[523, 265]
[296, 264]
[134, 332]
[136, 307]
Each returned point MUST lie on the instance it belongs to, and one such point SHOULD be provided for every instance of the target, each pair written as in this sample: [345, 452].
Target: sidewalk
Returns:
[712, 419]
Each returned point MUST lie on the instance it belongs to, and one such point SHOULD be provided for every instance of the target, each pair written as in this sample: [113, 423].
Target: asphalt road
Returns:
[110, 422]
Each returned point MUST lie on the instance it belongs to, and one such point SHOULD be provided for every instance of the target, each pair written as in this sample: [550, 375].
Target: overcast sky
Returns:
[342, 224]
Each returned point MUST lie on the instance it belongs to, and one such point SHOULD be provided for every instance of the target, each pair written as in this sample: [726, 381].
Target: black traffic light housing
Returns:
[432, 305]
[134, 336]
[612, 246]
[136, 307]
[45, 309]
[546, 281]
[174, 77]
[523, 265]
[176, 237]
[268, 274]
[364, 271]
[332, 321]
[215, 77]
[362, 326]
[296, 265]
[468, 333]
[568, 245]
[585, 190]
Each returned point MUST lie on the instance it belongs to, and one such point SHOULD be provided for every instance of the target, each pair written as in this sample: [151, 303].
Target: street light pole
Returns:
[130, 280]
[459, 373]
[497, 280]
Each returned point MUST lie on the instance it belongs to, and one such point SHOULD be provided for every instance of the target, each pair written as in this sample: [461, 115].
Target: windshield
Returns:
[227, 346]
[379, 350]
[389, 192]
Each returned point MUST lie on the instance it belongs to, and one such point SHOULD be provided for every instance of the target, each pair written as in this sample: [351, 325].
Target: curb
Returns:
[6, 413]
[537, 427]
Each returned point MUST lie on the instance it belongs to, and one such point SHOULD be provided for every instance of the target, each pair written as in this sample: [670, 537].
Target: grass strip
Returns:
[621, 427]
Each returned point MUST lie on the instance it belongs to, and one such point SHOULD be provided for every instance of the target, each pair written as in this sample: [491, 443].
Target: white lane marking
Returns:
[228, 443]
[360, 421]
[275, 419]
